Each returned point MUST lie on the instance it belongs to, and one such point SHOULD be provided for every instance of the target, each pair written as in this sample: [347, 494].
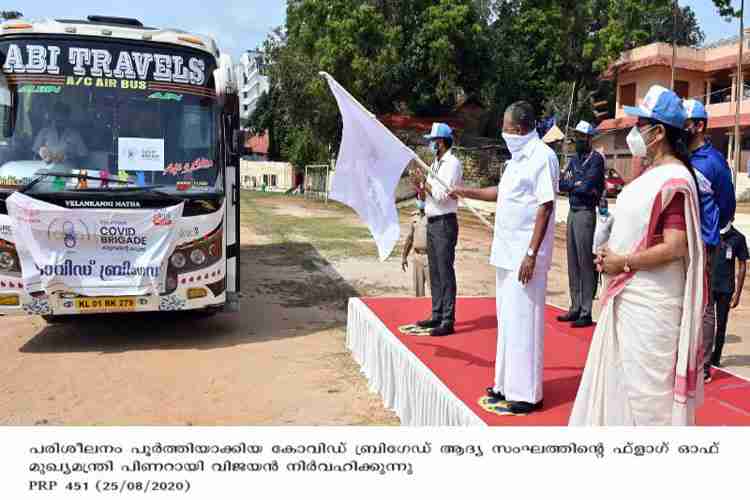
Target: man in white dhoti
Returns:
[522, 253]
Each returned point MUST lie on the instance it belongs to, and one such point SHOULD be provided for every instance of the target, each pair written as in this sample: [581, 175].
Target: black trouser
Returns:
[442, 237]
[721, 302]
[581, 270]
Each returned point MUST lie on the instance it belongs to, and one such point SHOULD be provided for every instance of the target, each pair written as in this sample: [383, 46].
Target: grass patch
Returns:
[333, 235]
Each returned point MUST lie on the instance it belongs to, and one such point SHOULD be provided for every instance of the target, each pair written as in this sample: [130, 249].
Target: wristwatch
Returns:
[530, 252]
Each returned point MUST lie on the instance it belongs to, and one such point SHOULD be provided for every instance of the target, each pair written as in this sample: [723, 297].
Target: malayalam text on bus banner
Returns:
[92, 252]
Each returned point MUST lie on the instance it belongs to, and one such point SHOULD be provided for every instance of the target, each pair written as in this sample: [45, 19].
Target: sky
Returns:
[713, 25]
[237, 25]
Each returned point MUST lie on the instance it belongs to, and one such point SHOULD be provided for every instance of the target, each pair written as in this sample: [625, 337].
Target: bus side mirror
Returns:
[6, 111]
[236, 142]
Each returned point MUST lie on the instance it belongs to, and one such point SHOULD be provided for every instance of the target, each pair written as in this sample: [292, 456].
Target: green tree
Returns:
[385, 52]
[688, 29]
[554, 48]
[419, 56]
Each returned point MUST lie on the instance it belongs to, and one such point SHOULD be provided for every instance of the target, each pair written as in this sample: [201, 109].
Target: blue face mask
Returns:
[434, 147]
[604, 211]
[420, 205]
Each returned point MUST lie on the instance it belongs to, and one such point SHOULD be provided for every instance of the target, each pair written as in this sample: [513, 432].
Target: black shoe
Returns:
[428, 323]
[707, 375]
[522, 407]
[568, 317]
[583, 322]
[494, 397]
[442, 331]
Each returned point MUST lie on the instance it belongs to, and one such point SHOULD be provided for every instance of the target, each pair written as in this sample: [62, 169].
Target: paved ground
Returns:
[281, 361]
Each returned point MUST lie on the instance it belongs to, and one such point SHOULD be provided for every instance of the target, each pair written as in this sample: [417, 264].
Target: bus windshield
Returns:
[146, 129]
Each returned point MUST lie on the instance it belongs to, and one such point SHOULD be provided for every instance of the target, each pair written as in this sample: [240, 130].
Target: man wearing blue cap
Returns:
[442, 228]
[584, 180]
[718, 204]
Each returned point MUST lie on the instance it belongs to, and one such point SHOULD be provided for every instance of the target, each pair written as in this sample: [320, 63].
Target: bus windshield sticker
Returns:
[188, 167]
[166, 96]
[40, 89]
[138, 155]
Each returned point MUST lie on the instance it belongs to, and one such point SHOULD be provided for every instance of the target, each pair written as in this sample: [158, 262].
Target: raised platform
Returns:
[438, 381]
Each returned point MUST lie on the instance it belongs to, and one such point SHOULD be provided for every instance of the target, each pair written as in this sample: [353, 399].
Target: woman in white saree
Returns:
[643, 366]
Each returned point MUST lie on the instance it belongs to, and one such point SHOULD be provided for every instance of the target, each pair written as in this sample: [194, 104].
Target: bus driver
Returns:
[58, 142]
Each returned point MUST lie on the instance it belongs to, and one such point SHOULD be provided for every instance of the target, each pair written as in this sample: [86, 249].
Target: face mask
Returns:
[637, 144]
[692, 131]
[434, 147]
[603, 211]
[582, 147]
[516, 143]
[420, 205]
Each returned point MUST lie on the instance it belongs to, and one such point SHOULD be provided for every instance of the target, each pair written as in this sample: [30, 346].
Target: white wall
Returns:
[253, 83]
[283, 171]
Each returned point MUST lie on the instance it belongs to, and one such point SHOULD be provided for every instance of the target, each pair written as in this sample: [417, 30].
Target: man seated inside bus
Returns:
[58, 142]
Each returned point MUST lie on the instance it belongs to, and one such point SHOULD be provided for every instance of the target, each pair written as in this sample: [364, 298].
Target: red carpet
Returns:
[465, 361]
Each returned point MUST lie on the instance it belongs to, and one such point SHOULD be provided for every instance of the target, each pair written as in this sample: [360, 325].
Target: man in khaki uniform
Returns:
[417, 240]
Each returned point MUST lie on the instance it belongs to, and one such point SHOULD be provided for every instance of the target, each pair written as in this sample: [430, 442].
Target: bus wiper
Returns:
[119, 190]
[67, 175]
[152, 188]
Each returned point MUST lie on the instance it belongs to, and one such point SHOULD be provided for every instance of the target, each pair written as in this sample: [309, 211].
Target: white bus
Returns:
[119, 178]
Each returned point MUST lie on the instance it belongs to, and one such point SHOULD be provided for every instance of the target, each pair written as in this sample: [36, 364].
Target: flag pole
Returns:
[674, 41]
[417, 159]
[740, 96]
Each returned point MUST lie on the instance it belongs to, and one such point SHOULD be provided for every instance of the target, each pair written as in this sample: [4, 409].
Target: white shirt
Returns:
[529, 181]
[69, 142]
[449, 170]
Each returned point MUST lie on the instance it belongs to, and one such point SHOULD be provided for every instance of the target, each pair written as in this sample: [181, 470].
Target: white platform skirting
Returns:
[406, 385]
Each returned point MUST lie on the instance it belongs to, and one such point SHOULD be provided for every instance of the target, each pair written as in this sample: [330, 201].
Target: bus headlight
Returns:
[178, 260]
[7, 261]
[198, 257]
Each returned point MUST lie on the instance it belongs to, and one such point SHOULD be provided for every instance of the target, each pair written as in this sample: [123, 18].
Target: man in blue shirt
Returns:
[717, 202]
[584, 180]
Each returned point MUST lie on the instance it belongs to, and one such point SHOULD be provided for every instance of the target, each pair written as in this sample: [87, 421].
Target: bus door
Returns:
[232, 213]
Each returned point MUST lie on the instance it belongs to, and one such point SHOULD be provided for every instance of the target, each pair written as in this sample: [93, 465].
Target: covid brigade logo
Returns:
[70, 232]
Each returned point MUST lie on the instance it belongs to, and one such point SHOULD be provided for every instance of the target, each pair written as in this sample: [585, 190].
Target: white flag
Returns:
[370, 164]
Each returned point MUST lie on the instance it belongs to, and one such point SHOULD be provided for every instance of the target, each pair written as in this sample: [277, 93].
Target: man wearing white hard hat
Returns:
[442, 228]
[718, 204]
[584, 181]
